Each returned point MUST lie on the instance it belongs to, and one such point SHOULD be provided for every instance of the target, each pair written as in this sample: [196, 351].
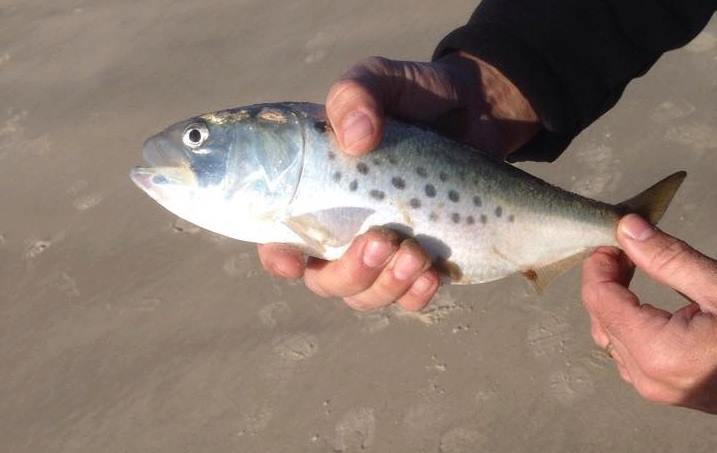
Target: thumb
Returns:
[670, 261]
[357, 102]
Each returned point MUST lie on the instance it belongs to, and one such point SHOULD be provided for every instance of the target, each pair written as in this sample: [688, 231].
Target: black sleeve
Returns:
[573, 58]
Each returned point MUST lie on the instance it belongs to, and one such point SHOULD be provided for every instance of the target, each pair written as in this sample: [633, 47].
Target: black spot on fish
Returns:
[420, 171]
[377, 194]
[470, 220]
[322, 126]
[443, 177]
[498, 211]
[353, 185]
[398, 183]
[337, 176]
[433, 217]
[453, 196]
[392, 160]
[331, 156]
[376, 161]
[415, 203]
[511, 218]
[456, 217]
[483, 219]
[477, 201]
[362, 168]
[430, 191]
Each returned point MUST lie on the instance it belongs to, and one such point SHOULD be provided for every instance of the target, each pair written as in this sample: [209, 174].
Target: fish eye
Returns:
[195, 135]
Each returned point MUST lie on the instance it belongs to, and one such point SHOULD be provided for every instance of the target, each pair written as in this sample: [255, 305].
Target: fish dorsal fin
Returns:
[652, 202]
[328, 228]
[540, 277]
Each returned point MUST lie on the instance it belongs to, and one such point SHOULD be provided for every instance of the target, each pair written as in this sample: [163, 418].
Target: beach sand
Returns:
[125, 329]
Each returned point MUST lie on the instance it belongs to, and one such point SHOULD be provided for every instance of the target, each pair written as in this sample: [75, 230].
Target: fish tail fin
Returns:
[652, 203]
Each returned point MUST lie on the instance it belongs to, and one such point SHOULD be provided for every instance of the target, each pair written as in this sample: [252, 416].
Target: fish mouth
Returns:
[152, 179]
[166, 166]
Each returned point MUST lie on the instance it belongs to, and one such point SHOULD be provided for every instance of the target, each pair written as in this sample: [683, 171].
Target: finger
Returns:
[356, 103]
[598, 333]
[401, 273]
[624, 374]
[670, 261]
[281, 260]
[357, 269]
[686, 313]
[616, 308]
[421, 292]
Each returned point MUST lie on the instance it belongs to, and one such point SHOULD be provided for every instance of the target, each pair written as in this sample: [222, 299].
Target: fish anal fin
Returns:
[328, 228]
[449, 269]
[652, 202]
[540, 277]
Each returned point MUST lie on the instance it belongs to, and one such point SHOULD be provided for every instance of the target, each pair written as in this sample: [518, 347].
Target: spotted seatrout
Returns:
[273, 173]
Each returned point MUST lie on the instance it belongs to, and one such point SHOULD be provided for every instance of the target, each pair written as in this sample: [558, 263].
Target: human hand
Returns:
[669, 358]
[459, 95]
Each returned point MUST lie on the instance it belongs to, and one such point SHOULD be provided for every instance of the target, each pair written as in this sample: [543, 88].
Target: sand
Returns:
[124, 329]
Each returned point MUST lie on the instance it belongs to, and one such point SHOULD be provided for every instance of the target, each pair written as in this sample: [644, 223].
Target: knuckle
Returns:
[669, 257]
[316, 288]
[651, 391]
[360, 304]
[413, 302]
[375, 63]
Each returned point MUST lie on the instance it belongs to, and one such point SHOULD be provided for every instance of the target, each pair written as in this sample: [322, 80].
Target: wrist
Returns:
[496, 98]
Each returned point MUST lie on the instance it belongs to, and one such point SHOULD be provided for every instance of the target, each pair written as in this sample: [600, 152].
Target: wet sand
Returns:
[124, 329]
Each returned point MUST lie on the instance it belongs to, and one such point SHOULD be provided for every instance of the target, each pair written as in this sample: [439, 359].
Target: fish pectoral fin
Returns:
[328, 228]
[541, 276]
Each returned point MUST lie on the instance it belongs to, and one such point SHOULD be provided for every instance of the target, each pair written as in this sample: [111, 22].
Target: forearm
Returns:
[573, 59]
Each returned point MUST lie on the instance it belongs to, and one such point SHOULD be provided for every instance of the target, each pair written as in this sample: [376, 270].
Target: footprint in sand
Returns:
[274, 313]
[35, 248]
[355, 430]
[603, 171]
[88, 201]
[461, 440]
[373, 322]
[241, 265]
[702, 43]
[317, 48]
[296, 347]
[699, 136]
[255, 421]
[11, 131]
[548, 337]
[671, 110]
[568, 386]
[64, 283]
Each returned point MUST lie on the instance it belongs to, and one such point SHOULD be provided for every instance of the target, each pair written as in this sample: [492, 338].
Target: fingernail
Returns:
[376, 253]
[407, 265]
[356, 126]
[635, 227]
[422, 286]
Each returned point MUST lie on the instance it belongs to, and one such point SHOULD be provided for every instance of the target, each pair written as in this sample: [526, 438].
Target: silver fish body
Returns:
[273, 173]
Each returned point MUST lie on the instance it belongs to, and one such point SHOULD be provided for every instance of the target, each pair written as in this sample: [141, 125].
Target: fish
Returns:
[274, 173]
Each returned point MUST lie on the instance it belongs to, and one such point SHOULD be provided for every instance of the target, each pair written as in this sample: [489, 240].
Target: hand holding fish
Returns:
[492, 114]
[668, 357]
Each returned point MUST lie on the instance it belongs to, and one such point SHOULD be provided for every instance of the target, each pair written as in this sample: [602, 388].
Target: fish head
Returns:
[228, 172]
